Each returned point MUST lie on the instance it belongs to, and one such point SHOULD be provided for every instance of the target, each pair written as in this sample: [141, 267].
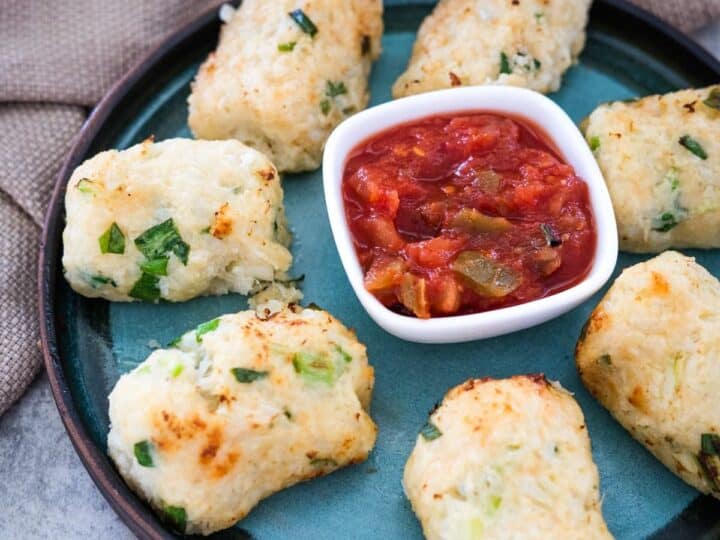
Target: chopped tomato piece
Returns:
[434, 253]
[445, 295]
[381, 232]
[384, 274]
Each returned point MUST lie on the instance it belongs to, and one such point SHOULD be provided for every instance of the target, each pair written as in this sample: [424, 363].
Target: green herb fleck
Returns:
[325, 106]
[177, 370]
[538, 16]
[316, 367]
[85, 185]
[206, 327]
[99, 281]
[605, 359]
[495, 501]
[142, 454]
[244, 375]
[304, 22]
[313, 306]
[335, 89]
[695, 147]
[112, 240]
[323, 462]
[673, 178]
[206, 230]
[537, 64]
[665, 222]
[505, 64]
[155, 267]
[551, 237]
[594, 142]
[175, 517]
[146, 288]
[713, 100]
[175, 342]
[162, 239]
[365, 45]
[287, 414]
[287, 47]
[710, 459]
[348, 110]
[344, 354]
[430, 431]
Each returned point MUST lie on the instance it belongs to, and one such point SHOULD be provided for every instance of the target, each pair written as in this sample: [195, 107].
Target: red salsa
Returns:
[466, 213]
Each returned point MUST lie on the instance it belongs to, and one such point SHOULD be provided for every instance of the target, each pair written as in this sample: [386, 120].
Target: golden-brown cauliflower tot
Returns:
[239, 409]
[285, 73]
[649, 354]
[471, 42]
[174, 220]
[660, 156]
[506, 460]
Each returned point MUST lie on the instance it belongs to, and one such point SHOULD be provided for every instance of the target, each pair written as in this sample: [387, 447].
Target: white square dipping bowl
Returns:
[519, 102]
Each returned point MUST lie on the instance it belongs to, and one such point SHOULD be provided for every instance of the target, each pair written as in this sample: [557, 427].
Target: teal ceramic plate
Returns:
[89, 343]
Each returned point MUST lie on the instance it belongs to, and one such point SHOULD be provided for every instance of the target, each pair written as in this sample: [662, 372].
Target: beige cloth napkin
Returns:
[57, 59]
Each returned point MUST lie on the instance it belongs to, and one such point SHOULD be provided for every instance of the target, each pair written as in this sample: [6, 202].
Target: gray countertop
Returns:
[45, 491]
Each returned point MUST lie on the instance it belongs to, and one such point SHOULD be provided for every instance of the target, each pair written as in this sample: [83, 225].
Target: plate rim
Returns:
[134, 513]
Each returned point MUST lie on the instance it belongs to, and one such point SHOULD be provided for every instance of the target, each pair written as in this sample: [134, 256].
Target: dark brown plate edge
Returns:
[134, 513]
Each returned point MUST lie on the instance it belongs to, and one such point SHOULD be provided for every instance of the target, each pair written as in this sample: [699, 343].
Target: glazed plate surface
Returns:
[89, 343]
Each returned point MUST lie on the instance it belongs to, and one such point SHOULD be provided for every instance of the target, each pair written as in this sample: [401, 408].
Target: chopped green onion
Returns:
[161, 239]
[206, 327]
[155, 267]
[177, 370]
[206, 230]
[335, 89]
[496, 501]
[430, 431]
[325, 106]
[551, 237]
[505, 64]
[287, 47]
[142, 454]
[537, 64]
[695, 147]
[673, 177]
[244, 375]
[304, 22]
[146, 288]
[323, 462]
[317, 367]
[175, 342]
[112, 240]
[175, 517]
[665, 222]
[605, 359]
[98, 281]
[594, 142]
[365, 45]
[344, 354]
[85, 185]
[710, 459]
[538, 16]
[713, 100]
